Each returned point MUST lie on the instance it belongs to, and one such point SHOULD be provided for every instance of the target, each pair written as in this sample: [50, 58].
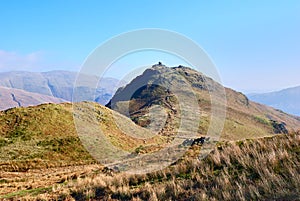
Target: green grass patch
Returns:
[262, 120]
[22, 193]
[3, 181]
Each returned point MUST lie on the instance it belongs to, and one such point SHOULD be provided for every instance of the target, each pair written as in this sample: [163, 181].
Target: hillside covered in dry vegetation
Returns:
[261, 169]
[51, 151]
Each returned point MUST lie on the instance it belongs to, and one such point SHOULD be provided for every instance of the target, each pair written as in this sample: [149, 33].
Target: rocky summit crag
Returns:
[152, 89]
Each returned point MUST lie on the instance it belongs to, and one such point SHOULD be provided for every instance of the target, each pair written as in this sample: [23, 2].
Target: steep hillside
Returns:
[60, 84]
[10, 98]
[245, 119]
[287, 100]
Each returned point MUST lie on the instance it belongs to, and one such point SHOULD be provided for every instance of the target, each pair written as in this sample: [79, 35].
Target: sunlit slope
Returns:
[262, 169]
[46, 135]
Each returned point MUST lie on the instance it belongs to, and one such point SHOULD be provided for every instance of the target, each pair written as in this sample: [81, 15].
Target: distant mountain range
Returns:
[47, 86]
[287, 100]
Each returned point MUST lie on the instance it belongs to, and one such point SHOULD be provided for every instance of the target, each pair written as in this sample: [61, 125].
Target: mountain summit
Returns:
[154, 93]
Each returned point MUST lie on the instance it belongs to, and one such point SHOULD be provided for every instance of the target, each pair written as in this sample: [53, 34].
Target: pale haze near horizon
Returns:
[255, 45]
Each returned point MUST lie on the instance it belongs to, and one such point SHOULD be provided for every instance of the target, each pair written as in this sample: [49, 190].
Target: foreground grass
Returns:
[22, 193]
[262, 169]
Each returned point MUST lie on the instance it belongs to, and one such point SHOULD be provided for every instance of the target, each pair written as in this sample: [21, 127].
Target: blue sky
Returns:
[254, 44]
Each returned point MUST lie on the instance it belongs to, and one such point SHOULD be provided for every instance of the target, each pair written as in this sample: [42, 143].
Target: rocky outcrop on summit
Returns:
[244, 118]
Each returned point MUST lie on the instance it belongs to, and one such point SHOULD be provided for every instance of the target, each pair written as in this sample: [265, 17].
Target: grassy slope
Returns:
[45, 136]
[261, 169]
[42, 136]
[246, 119]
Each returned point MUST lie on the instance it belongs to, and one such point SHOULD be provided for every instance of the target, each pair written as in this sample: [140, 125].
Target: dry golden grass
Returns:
[11, 182]
[261, 169]
[36, 141]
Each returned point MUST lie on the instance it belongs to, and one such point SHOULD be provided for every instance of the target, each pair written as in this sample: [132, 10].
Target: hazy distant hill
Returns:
[245, 119]
[60, 84]
[10, 98]
[287, 100]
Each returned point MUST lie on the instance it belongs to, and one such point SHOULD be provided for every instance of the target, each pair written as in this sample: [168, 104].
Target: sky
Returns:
[255, 45]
